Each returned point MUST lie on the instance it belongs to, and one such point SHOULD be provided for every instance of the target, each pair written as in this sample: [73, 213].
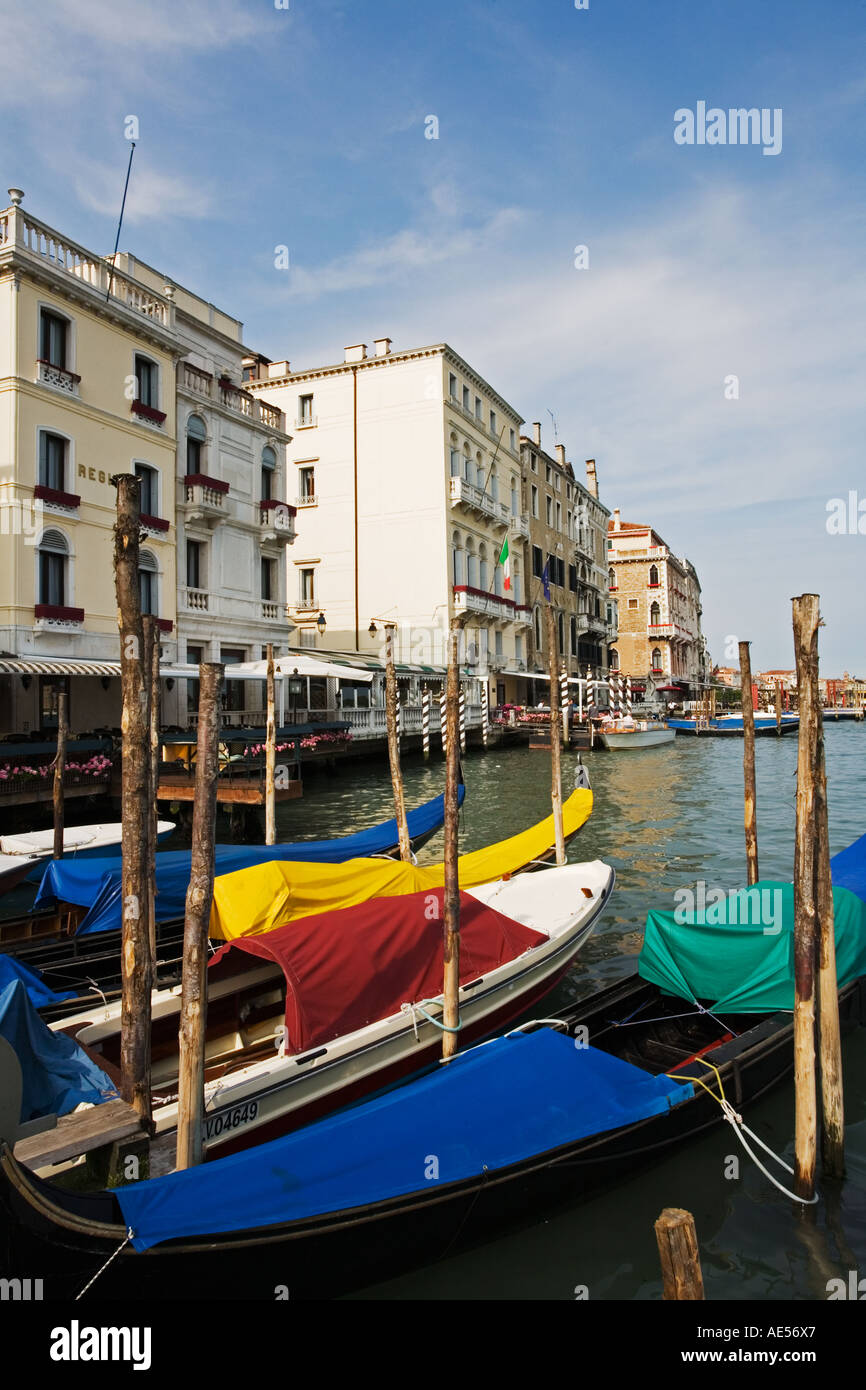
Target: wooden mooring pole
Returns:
[151, 666]
[555, 737]
[451, 896]
[394, 745]
[59, 766]
[750, 792]
[830, 1055]
[199, 897]
[778, 703]
[271, 756]
[805, 613]
[680, 1259]
[136, 958]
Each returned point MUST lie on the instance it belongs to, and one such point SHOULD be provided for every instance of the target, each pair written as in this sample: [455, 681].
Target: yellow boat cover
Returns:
[268, 895]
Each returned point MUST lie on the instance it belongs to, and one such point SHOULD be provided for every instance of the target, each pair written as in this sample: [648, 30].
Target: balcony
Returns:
[231, 397]
[496, 661]
[466, 494]
[306, 422]
[522, 614]
[51, 617]
[56, 499]
[272, 612]
[277, 521]
[49, 374]
[196, 600]
[304, 607]
[470, 600]
[156, 525]
[518, 526]
[205, 499]
[309, 499]
[661, 630]
[148, 413]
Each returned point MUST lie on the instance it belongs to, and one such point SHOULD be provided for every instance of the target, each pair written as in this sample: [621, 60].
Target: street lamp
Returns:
[321, 624]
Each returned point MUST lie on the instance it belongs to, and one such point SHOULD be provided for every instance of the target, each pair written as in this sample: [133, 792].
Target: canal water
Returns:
[664, 818]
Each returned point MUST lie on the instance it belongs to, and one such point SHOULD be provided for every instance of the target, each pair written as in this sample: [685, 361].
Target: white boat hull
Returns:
[21, 853]
[638, 738]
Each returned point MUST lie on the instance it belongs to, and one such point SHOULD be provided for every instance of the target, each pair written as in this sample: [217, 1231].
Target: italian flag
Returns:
[505, 561]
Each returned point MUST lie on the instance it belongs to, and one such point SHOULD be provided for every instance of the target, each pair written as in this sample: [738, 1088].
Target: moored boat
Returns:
[642, 734]
[21, 855]
[731, 725]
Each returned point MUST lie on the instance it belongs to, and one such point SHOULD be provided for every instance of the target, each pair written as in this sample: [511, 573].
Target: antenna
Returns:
[120, 219]
[555, 429]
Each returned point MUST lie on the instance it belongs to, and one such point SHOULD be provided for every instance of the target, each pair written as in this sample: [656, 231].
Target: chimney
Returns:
[536, 432]
[382, 346]
[276, 369]
[356, 353]
[617, 523]
[592, 478]
[560, 455]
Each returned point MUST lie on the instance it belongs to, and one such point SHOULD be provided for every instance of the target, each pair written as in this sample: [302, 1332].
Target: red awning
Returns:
[351, 967]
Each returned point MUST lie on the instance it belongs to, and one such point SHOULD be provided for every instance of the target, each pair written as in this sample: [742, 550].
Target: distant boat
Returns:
[642, 735]
[21, 854]
[731, 725]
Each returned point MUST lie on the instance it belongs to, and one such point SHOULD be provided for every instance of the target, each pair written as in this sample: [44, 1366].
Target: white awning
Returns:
[62, 666]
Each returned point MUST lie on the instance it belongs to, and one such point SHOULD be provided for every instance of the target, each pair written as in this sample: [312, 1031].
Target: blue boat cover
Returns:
[491, 1107]
[95, 883]
[38, 991]
[848, 868]
[56, 1073]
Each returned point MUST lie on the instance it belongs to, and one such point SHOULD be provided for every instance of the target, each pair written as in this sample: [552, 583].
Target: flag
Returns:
[505, 561]
[545, 579]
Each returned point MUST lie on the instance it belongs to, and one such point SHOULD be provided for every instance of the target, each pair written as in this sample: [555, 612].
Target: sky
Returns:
[706, 348]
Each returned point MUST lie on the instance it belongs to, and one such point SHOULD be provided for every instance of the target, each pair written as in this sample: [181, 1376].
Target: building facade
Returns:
[408, 483]
[659, 596]
[567, 541]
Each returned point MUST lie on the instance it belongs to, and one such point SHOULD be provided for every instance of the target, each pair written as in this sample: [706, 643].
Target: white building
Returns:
[407, 481]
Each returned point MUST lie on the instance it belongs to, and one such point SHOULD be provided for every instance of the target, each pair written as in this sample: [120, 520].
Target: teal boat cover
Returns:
[494, 1106]
[736, 950]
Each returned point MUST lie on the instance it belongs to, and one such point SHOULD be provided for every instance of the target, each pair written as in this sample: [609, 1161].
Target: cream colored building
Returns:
[408, 481]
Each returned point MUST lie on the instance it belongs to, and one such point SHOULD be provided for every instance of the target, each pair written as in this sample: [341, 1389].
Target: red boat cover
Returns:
[354, 966]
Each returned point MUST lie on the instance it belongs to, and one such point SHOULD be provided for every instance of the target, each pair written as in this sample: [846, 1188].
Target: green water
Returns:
[663, 818]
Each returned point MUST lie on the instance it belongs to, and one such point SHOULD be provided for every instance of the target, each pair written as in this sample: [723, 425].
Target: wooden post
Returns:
[805, 610]
[394, 745]
[199, 896]
[451, 896]
[270, 757]
[833, 1105]
[59, 765]
[555, 736]
[679, 1255]
[151, 666]
[136, 960]
[779, 707]
[750, 792]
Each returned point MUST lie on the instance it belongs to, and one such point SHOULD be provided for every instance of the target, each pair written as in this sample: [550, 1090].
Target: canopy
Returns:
[57, 1075]
[259, 899]
[38, 992]
[95, 883]
[849, 868]
[348, 968]
[738, 952]
[295, 664]
[491, 1107]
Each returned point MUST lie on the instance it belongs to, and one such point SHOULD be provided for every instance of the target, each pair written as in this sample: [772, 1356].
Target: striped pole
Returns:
[443, 722]
[462, 720]
[398, 721]
[628, 694]
[485, 713]
[425, 722]
[563, 700]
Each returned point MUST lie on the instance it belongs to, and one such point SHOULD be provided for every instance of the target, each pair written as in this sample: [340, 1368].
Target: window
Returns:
[573, 635]
[305, 410]
[456, 558]
[655, 614]
[537, 624]
[53, 561]
[148, 484]
[611, 578]
[614, 659]
[307, 594]
[268, 580]
[549, 502]
[148, 577]
[483, 568]
[452, 386]
[654, 577]
[534, 500]
[53, 338]
[493, 422]
[632, 603]
[559, 516]
[572, 578]
[478, 408]
[497, 642]
[537, 562]
[512, 439]
[52, 460]
[194, 567]
[196, 436]
[269, 465]
[455, 463]
[466, 405]
[194, 657]
[533, 463]
[514, 497]
[494, 484]
[518, 647]
[560, 624]
[657, 659]
[147, 379]
[306, 483]
[548, 474]
[515, 583]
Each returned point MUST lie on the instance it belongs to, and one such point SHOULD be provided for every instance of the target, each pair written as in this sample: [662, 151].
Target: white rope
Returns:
[737, 1124]
[129, 1234]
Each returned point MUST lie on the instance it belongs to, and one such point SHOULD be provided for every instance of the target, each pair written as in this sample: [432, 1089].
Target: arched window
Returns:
[148, 582]
[483, 568]
[471, 565]
[196, 438]
[515, 582]
[479, 471]
[515, 500]
[467, 464]
[537, 623]
[561, 626]
[655, 614]
[456, 558]
[53, 460]
[614, 659]
[494, 485]
[497, 581]
[611, 578]
[657, 659]
[654, 576]
[269, 465]
[148, 483]
[53, 568]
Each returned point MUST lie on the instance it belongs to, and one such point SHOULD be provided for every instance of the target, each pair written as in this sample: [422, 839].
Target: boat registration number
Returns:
[227, 1120]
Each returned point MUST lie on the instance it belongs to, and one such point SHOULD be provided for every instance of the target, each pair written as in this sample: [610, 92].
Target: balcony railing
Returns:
[195, 599]
[157, 524]
[230, 396]
[57, 615]
[306, 422]
[519, 526]
[468, 599]
[466, 494]
[277, 520]
[148, 413]
[55, 497]
[305, 605]
[205, 498]
[52, 375]
[309, 499]
[661, 629]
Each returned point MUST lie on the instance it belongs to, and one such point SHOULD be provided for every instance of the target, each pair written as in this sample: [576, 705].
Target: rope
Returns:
[129, 1234]
[738, 1124]
[437, 1023]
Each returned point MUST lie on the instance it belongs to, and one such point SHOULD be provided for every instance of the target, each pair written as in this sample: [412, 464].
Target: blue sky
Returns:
[305, 127]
